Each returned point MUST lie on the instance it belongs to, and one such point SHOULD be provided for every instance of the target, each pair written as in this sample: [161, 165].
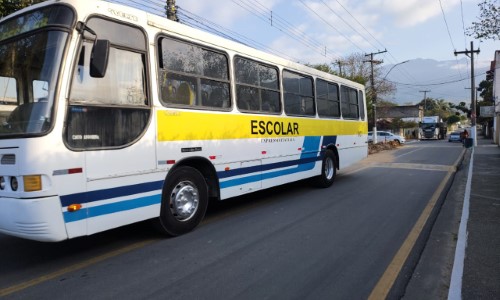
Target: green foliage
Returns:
[327, 69]
[452, 119]
[488, 26]
[323, 67]
[381, 103]
[486, 90]
[445, 110]
[9, 6]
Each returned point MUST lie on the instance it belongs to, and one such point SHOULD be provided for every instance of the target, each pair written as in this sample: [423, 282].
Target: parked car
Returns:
[385, 136]
[455, 136]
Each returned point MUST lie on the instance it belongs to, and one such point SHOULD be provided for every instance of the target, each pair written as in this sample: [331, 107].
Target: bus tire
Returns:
[184, 201]
[328, 170]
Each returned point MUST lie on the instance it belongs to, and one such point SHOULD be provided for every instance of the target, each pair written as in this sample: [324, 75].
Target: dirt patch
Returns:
[374, 148]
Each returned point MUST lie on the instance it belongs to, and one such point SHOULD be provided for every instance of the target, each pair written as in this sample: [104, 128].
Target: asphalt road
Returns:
[350, 241]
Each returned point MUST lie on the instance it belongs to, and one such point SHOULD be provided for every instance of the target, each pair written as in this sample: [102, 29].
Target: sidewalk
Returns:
[481, 275]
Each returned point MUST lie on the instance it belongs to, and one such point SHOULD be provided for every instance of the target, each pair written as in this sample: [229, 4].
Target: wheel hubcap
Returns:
[184, 201]
[329, 168]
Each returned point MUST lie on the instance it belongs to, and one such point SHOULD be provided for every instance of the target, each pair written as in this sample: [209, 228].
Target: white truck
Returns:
[432, 127]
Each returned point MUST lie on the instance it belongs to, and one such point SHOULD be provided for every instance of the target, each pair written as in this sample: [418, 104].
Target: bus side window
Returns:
[349, 103]
[299, 95]
[257, 86]
[192, 76]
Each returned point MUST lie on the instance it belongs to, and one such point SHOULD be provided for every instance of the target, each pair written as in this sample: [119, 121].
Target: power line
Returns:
[394, 59]
[205, 24]
[446, 23]
[326, 22]
[361, 25]
[333, 11]
[434, 84]
[289, 31]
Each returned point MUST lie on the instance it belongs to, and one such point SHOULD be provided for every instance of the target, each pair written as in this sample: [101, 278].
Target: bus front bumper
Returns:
[37, 219]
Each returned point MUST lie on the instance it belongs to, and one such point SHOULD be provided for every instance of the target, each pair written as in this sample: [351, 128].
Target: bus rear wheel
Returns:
[328, 170]
[184, 201]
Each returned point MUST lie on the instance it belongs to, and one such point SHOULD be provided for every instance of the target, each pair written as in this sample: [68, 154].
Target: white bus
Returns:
[111, 115]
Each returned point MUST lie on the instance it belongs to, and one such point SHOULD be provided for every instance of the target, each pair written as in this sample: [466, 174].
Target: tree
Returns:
[452, 119]
[486, 90]
[9, 6]
[488, 26]
[323, 67]
[439, 107]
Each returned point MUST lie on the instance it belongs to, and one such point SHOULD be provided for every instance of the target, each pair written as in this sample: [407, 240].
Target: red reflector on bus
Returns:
[74, 207]
[300, 149]
[212, 157]
[264, 152]
[227, 169]
[170, 162]
[75, 170]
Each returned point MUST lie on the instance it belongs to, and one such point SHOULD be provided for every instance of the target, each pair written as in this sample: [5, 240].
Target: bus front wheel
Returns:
[184, 201]
[328, 170]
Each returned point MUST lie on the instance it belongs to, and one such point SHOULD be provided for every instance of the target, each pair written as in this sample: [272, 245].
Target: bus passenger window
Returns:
[193, 76]
[299, 96]
[349, 103]
[257, 87]
[327, 95]
[361, 100]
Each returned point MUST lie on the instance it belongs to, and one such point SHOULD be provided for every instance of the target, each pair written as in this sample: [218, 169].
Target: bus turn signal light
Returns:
[32, 183]
[74, 207]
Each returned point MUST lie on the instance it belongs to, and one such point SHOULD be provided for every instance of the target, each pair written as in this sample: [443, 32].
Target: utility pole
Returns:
[171, 10]
[425, 99]
[374, 91]
[340, 66]
[473, 88]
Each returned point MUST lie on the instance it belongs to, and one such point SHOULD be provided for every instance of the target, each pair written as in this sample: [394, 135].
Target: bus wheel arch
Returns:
[336, 153]
[206, 168]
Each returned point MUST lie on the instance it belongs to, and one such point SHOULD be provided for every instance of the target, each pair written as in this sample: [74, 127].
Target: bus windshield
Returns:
[30, 59]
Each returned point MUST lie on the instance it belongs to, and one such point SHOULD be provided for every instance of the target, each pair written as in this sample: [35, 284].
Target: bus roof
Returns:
[147, 20]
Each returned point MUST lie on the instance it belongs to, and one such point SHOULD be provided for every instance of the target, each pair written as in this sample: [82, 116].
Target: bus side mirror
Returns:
[99, 58]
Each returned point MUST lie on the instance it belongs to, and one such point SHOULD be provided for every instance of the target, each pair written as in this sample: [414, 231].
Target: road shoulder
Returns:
[431, 276]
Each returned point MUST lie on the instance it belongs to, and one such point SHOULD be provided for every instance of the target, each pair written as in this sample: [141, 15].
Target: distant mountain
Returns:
[448, 80]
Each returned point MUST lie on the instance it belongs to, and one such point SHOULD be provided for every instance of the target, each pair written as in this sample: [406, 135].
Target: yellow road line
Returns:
[387, 280]
[426, 167]
[72, 268]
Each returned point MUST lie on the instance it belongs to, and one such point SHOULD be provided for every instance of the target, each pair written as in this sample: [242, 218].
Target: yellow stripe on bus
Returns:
[185, 125]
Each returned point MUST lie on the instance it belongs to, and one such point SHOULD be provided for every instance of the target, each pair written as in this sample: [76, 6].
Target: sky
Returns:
[408, 29]
[323, 31]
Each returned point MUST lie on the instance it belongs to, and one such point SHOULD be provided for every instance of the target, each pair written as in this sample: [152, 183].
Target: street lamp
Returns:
[403, 62]
[375, 104]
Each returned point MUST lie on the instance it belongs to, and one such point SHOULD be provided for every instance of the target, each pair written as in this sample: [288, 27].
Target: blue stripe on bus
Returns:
[111, 208]
[306, 162]
[92, 196]
[263, 168]
[329, 140]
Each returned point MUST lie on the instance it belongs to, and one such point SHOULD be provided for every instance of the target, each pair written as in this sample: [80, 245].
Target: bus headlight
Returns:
[13, 183]
[32, 183]
[2, 183]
